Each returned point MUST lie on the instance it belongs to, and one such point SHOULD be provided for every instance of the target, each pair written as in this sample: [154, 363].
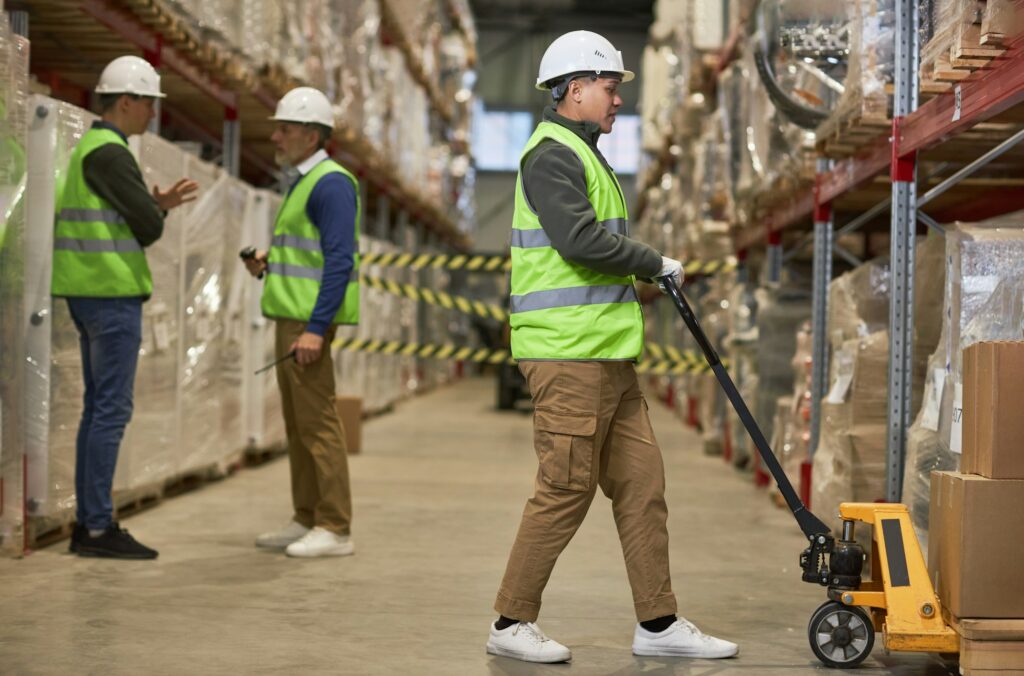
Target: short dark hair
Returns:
[108, 101]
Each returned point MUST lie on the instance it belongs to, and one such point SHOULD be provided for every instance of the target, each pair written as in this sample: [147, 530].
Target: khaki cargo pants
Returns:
[591, 429]
[317, 453]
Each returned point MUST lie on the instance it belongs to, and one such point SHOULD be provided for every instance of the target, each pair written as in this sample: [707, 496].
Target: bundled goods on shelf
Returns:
[735, 90]
[850, 461]
[669, 62]
[984, 268]
[781, 311]
[384, 95]
[194, 377]
[713, 309]
[198, 403]
[960, 36]
[740, 345]
[792, 425]
[863, 109]
[14, 55]
[768, 158]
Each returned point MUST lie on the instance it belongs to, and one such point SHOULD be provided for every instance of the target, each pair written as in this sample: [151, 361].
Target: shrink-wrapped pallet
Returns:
[979, 258]
[14, 278]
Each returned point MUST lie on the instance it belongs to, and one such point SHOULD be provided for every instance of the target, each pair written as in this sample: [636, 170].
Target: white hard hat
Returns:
[580, 52]
[130, 75]
[305, 104]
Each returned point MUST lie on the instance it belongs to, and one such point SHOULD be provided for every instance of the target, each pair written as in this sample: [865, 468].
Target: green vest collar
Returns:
[588, 131]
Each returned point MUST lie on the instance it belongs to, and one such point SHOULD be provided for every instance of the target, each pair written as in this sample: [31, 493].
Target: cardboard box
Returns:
[350, 411]
[991, 657]
[976, 538]
[993, 427]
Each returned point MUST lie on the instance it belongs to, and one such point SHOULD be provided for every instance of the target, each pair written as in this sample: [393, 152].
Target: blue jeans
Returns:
[110, 332]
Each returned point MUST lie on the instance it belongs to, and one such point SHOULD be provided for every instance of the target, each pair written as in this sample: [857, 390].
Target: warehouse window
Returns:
[622, 146]
[499, 137]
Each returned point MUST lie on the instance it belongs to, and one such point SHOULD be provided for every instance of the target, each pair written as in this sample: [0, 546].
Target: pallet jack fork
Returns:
[901, 604]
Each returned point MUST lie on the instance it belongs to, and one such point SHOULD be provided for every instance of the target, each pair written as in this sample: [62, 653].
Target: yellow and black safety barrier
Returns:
[426, 261]
[707, 268]
[495, 263]
[480, 355]
[438, 298]
[688, 362]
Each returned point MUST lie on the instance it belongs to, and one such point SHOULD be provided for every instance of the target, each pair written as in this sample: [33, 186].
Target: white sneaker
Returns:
[682, 639]
[525, 641]
[321, 542]
[282, 538]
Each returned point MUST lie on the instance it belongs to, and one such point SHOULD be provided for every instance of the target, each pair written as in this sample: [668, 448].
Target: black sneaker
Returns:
[77, 533]
[114, 543]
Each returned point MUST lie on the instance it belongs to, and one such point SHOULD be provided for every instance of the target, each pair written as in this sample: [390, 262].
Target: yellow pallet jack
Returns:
[901, 603]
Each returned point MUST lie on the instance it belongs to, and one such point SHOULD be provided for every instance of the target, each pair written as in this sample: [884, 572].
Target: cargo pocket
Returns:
[565, 447]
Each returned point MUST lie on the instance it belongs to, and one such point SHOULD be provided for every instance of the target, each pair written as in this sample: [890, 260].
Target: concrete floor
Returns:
[438, 493]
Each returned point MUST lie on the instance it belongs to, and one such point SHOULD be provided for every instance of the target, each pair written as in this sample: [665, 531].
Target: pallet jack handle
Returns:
[811, 525]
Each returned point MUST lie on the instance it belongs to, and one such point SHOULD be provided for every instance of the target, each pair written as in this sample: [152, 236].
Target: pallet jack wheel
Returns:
[841, 636]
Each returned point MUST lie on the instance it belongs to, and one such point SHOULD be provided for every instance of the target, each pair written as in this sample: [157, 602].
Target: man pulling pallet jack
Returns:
[574, 319]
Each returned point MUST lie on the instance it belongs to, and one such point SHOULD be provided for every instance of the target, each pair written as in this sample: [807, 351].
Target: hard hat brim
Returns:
[275, 118]
[627, 75]
[158, 95]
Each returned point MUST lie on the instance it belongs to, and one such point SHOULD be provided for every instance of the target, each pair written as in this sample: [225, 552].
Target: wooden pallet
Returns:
[989, 647]
[966, 52]
[846, 137]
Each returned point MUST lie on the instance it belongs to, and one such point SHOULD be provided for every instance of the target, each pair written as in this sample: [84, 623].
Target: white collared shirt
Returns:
[316, 158]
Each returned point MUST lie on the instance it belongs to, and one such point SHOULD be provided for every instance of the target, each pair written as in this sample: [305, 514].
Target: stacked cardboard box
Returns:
[984, 300]
[977, 516]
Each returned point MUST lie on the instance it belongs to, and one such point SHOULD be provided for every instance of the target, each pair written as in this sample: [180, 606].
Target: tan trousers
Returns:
[590, 429]
[316, 445]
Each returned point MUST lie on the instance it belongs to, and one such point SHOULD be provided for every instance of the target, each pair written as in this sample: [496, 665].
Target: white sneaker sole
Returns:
[680, 652]
[519, 655]
[341, 551]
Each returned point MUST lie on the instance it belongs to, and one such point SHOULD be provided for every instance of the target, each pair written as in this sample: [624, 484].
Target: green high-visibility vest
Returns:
[295, 263]
[560, 310]
[95, 254]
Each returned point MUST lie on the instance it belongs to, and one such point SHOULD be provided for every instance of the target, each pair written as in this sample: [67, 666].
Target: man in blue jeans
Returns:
[105, 216]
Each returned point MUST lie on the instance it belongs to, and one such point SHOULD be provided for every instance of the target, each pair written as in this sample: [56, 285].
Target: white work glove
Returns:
[671, 268]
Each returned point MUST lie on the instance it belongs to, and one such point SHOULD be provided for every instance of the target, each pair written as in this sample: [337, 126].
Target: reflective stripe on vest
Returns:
[560, 310]
[576, 295]
[295, 262]
[96, 245]
[95, 253]
[533, 239]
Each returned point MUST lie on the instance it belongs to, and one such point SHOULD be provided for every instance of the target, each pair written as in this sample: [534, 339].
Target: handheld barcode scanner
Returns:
[901, 603]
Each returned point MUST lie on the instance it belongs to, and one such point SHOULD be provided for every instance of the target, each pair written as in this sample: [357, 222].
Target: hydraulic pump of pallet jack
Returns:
[248, 254]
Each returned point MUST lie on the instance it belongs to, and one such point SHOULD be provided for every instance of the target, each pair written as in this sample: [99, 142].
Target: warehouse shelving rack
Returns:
[219, 99]
[970, 126]
[987, 95]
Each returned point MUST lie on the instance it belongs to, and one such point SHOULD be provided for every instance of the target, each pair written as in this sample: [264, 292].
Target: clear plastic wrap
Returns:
[850, 463]
[14, 54]
[371, 85]
[859, 302]
[740, 347]
[192, 409]
[978, 258]
[871, 30]
[780, 313]
[53, 380]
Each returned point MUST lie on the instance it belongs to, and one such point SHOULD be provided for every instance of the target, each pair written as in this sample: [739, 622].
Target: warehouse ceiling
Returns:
[515, 33]
[558, 15]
